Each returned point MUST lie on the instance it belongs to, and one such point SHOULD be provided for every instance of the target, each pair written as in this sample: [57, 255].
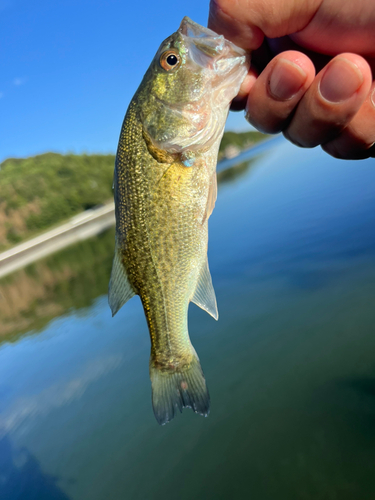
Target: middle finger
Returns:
[332, 100]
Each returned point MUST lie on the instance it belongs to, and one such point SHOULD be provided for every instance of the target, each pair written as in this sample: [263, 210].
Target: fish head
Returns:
[190, 84]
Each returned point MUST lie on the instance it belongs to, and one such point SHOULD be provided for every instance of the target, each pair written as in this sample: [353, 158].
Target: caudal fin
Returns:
[172, 391]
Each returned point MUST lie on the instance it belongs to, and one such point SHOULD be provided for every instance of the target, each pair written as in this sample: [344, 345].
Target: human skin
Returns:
[312, 69]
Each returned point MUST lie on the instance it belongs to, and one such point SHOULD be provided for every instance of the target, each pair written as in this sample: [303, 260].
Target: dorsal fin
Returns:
[204, 295]
[120, 290]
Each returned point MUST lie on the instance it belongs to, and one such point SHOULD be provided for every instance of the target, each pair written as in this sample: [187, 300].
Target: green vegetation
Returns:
[68, 280]
[39, 192]
[42, 191]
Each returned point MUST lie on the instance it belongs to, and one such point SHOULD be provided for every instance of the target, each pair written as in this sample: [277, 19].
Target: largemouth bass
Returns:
[165, 191]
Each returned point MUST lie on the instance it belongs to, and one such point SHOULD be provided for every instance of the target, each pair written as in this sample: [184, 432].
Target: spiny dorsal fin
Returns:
[120, 290]
[204, 295]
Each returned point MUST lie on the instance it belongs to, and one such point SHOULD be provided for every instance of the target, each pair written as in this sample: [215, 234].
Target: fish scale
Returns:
[174, 242]
[165, 190]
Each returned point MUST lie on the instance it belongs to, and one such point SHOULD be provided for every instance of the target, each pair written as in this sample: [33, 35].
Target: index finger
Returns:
[246, 22]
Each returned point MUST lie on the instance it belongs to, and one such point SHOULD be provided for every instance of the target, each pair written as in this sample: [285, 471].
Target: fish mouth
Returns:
[210, 50]
[194, 30]
[211, 72]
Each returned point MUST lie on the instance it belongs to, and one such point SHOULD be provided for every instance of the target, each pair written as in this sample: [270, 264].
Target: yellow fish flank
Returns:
[165, 191]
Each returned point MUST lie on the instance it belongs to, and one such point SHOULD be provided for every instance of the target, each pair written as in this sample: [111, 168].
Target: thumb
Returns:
[246, 22]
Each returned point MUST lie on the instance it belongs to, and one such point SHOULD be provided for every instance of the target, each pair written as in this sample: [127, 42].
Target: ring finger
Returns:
[331, 102]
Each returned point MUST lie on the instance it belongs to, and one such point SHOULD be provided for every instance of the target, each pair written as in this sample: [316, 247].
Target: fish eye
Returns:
[170, 60]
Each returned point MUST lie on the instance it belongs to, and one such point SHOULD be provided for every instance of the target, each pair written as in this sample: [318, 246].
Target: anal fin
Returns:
[204, 295]
[120, 289]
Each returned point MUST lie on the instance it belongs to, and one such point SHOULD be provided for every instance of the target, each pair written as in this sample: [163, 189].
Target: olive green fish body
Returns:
[165, 190]
[163, 230]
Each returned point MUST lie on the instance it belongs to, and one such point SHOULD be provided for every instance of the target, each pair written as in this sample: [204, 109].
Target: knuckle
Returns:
[297, 141]
[266, 127]
[334, 151]
[303, 136]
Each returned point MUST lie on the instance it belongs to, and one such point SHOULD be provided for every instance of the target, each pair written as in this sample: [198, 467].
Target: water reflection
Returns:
[56, 395]
[67, 280]
[235, 172]
[21, 476]
[290, 363]
[364, 386]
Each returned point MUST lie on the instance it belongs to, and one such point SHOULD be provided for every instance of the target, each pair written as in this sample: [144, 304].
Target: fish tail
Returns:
[172, 390]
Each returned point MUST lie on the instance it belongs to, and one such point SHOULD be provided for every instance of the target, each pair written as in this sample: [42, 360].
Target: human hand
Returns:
[292, 39]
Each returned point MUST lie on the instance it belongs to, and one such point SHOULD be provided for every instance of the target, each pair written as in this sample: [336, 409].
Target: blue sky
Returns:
[69, 69]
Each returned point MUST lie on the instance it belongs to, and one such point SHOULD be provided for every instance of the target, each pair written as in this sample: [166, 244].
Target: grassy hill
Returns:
[39, 192]
[42, 191]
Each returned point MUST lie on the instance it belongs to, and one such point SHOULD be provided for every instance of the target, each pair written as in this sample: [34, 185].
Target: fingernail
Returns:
[340, 81]
[373, 97]
[286, 79]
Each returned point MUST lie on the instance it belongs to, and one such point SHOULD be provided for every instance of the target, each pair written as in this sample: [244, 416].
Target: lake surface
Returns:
[290, 364]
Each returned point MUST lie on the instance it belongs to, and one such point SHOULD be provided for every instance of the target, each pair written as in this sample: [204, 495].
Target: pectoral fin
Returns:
[120, 289]
[204, 295]
[212, 195]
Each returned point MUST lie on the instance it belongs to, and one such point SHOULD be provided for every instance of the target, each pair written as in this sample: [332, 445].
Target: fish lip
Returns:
[211, 50]
[208, 41]
[194, 30]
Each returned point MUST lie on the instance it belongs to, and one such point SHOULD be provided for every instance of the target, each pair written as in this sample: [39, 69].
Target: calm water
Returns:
[290, 364]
